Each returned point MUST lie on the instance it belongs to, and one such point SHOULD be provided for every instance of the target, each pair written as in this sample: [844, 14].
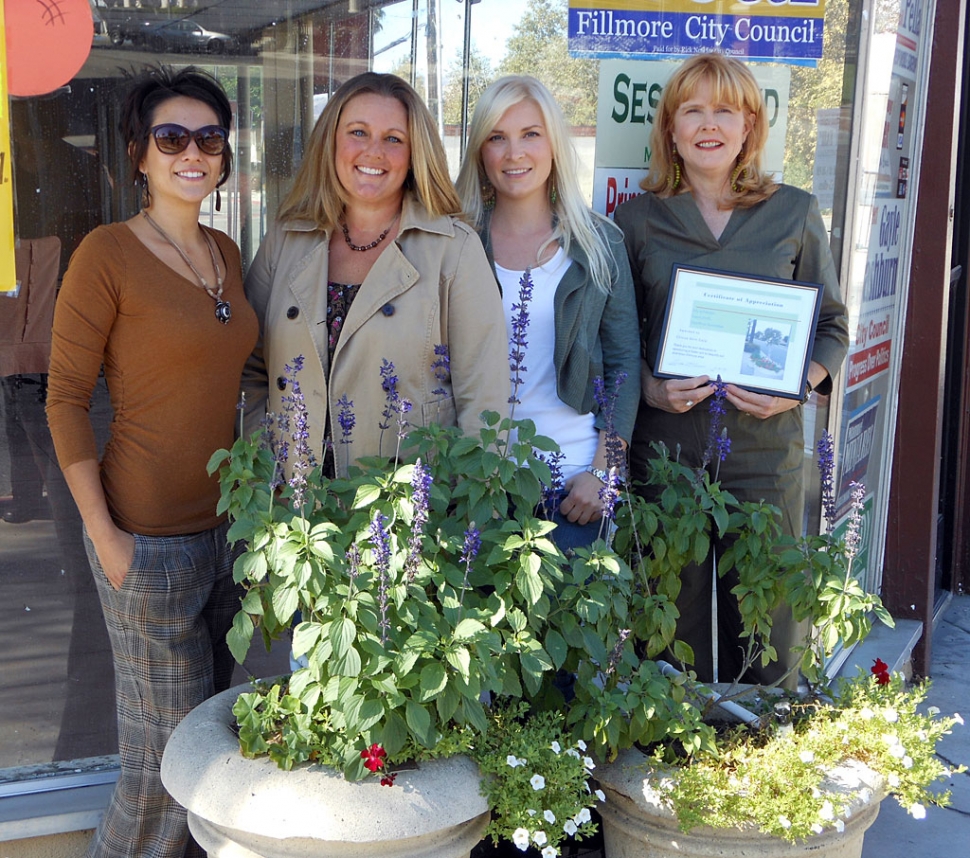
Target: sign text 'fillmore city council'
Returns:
[785, 30]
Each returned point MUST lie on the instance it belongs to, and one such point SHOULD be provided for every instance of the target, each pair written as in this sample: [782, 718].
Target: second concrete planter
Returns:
[637, 824]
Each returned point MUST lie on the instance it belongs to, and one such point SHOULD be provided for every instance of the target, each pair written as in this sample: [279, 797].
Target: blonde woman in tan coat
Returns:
[369, 261]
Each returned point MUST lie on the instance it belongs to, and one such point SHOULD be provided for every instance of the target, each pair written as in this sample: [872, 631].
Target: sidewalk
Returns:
[944, 831]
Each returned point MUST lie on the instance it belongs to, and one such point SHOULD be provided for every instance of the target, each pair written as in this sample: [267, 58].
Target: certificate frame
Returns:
[753, 331]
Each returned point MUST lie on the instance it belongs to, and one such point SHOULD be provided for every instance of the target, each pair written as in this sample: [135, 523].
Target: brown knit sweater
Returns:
[172, 370]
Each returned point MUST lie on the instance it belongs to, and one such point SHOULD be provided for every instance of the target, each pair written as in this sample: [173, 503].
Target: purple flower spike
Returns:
[552, 493]
[441, 367]
[473, 541]
[381, 542]
[826, 468]
[346, 418]
[718, 443]
[853, 538]
[420, 498]
[391, 396]
[617, 651]
[294, 407]
[518, 343]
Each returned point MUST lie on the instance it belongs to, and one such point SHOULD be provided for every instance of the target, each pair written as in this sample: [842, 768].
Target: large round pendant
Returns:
[223, 312]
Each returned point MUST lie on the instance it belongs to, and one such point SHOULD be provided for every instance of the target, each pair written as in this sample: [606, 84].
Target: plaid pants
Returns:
[167, 626]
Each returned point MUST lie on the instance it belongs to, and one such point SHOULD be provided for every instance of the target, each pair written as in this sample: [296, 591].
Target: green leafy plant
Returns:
[416, 599]
[435, 615]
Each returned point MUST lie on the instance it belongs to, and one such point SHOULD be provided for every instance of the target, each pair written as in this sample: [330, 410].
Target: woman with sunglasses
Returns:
[158, 301]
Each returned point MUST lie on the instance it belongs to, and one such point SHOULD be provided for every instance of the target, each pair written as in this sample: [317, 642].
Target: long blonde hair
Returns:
[317, 194]
[574, 220]
[731, 83]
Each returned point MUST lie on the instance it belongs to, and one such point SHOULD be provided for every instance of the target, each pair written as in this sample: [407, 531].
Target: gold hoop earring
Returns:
[673, 181]
[488, 194]
[736, 178]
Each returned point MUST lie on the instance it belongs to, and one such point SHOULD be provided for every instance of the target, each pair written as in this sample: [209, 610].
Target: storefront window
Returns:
[279, 62]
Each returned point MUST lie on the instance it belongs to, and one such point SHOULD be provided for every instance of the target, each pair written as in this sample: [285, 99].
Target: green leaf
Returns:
[240, 636]
[419, 721]
[468, 629]
[556, 647]
[433, 680]
[460, 660]
[366, 495]
[343, 633]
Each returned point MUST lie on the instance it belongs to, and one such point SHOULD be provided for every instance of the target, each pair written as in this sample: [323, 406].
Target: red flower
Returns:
[388, 780]
[881, 671]
[373, 757]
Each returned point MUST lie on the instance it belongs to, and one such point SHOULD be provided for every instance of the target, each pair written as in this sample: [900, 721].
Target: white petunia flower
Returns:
[816, 793]
[893, 779]
[588, 762]
[512, 761]
[890, 714]
[839, 826]
[572, 752]
[918, 811]
[807, 756]
[921, 735]
[550, 817]
[784, 822]
[958, 718]
[933, 711]
[907, 762]
[538, 782]
[582, 817]
[866, 714]
[570, 827]
[817, 828]
[549, 852]
[539, 838]
[581, 745]
[600, 795]
[531, 812]
[520, 837]
[827, 811]
[556, 747]
[897, 751]
[865, 795]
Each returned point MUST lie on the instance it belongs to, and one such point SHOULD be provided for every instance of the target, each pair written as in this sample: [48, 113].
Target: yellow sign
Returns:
[8, 269]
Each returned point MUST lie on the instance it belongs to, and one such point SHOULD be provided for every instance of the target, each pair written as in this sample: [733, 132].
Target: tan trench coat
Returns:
[432, 285]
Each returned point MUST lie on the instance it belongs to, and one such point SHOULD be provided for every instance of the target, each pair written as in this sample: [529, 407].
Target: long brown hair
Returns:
[317, 194]
[731, 83]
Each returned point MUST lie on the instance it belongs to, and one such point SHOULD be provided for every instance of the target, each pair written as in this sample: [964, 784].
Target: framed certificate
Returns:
[756, 332]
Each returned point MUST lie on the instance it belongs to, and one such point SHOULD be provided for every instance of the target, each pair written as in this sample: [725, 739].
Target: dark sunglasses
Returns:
[172, 139]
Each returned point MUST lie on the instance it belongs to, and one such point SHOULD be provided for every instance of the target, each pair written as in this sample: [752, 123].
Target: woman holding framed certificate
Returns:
[730, 239]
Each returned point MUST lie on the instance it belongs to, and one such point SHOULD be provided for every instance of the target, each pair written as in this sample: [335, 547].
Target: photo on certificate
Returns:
[755, 332]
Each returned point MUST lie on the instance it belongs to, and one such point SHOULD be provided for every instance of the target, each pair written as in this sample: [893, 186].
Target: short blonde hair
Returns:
[732, 83]
[575, 221]
[317, 194]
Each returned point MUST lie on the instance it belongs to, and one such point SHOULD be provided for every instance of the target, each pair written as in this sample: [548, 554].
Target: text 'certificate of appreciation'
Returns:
[756, 332]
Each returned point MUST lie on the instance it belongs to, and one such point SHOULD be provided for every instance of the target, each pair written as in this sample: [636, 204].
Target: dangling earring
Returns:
[488, 194]
[553, 192]
[737, 175]
[218, 201]
[674, 180]
[146, 195]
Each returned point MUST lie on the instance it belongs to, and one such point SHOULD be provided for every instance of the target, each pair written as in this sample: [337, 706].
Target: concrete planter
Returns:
[241, 808]
[636, 824]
